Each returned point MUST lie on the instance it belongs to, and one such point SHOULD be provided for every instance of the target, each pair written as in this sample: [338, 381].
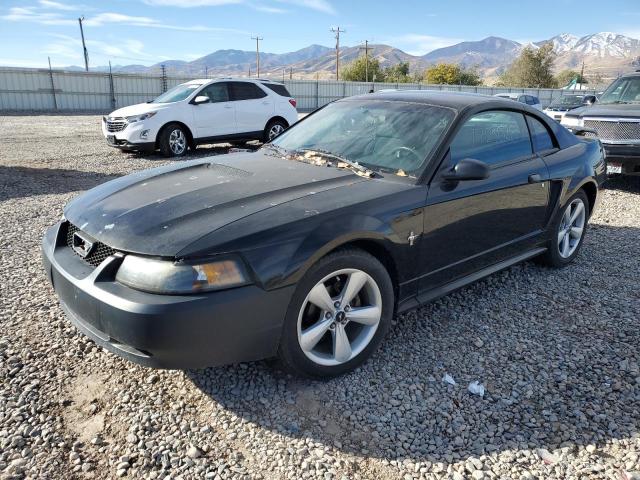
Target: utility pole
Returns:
[581, 75]
[84, 47]
[337, 31]
[366, 60]
[257, 39]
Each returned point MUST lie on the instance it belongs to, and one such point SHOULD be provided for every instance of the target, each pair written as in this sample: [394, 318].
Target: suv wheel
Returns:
[338, 315]
[273, 129]
[173, 141]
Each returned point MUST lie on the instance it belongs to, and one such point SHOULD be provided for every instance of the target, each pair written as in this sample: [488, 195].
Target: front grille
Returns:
[116, 124]
[99, 253]
[615, 130]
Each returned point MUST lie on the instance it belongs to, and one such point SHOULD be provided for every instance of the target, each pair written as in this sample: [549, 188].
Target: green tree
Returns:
[567, 76]
[451, 74]
[356, 70]
[398, 73]
[532, 69]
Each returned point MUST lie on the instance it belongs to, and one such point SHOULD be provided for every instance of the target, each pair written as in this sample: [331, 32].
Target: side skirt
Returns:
[436, 293]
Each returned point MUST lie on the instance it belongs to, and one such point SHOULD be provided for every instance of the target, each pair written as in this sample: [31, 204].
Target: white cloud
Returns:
[70, 48]
[190, 3]
[30, 14]
[319, 5]
[61, 6]
[267, 9]
[417, 44]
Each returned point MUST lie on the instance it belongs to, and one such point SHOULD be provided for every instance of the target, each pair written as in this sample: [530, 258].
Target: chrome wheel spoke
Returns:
[561, 235]
[354, 284]
[341, 345]
[312, 335]
[575, 232]
[365, 315]
[565, 245]
[320, 297]
[578, 210]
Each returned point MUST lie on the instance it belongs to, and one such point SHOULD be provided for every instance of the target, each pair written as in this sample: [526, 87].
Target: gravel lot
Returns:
[557, 351]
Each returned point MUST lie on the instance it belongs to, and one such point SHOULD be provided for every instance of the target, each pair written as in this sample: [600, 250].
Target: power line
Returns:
[257, 39]
[337, 31]
[84, 47]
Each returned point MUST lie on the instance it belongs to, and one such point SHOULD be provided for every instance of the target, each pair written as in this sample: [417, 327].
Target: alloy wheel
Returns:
[571, 228]
[177, 141]
[339, 317]
[275, 130]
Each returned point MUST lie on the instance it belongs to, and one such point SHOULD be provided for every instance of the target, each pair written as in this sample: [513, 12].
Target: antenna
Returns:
[337, 31]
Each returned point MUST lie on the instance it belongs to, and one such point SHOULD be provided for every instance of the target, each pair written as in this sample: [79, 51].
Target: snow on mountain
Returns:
[562, 43]
[607, 44]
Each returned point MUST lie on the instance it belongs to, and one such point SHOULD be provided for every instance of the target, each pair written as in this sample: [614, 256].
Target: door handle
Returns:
[535, 178]
[266, 103]
[228, 106]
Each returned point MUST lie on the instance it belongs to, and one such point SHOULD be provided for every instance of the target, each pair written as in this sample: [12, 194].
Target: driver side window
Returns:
[217, 92]
[492, 137]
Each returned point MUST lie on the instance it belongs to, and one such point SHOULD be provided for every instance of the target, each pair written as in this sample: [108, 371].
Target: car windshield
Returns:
[177, 93]
[623, 90]
[390, 136]
[567, 101]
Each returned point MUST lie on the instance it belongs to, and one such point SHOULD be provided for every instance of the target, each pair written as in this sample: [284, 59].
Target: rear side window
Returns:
[540, 136]
[246, 91]
[278, 88]
[536, 100]
[217, 92]
[492, 137]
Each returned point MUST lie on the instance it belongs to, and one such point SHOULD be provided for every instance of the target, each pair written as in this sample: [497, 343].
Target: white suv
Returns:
[203, 111]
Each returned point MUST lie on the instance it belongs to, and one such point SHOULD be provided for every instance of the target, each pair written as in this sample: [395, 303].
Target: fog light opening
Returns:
[144, 134]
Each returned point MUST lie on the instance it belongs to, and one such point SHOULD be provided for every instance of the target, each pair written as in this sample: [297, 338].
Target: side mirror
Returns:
[200, 99]
[467, 169]
[589, 100]
[583, 132]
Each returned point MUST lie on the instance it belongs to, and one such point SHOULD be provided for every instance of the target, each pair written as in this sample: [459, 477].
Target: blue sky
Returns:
[149, 31]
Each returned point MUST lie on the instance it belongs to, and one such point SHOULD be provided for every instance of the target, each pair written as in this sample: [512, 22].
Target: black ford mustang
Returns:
[306, 248]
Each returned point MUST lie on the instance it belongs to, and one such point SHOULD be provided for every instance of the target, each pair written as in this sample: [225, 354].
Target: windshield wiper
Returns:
[342, 162]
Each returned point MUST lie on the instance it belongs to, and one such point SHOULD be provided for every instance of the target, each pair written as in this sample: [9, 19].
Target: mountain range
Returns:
[604, 54]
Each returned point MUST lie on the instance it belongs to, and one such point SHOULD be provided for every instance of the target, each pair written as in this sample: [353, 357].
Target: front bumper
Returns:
[628, 155]
[129, 138]
[164, 331]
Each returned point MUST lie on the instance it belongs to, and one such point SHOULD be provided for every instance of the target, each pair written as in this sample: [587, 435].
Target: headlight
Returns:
[572, 121]
[164, 276]
[139, 118]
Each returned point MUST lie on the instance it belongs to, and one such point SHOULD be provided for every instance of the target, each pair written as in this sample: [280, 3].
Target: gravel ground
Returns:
[556, 350]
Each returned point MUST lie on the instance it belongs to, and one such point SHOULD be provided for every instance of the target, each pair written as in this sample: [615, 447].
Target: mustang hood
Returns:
[608, 110]
[162, 210]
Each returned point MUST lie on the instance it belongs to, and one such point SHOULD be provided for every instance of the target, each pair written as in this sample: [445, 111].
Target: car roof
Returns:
[508, 95]
[455, 100]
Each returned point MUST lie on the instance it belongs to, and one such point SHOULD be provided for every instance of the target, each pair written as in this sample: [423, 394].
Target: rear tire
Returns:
[173, 140]
[357, 301]
[273, 129]
[567, 232]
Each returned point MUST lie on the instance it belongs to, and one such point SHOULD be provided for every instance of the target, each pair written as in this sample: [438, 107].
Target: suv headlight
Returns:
[568, 121]
[139, 118]
[165, 276]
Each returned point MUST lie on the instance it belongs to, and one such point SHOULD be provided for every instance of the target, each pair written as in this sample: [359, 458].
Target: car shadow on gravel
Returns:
[629, 184]
[20, 182]
[555, 349]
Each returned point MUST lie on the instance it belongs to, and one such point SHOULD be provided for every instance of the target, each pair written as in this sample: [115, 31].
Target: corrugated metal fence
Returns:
[26, 89]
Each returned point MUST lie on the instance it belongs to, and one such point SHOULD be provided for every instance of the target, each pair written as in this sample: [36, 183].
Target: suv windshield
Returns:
[177, 93]
[381, 135]
[623, 90]
[567, 101]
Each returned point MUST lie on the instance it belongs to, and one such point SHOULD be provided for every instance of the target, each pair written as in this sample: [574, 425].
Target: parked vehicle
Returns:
[305, 248]
[203, 111]
[560, 106]
[522, 98]
[615, 120]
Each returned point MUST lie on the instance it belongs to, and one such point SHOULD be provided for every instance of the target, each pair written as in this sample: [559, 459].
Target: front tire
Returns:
[173, 141]
[273, 129]
[338, 315]
[567, 232]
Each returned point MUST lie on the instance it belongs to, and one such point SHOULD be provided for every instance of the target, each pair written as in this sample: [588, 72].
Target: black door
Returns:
[472, 224]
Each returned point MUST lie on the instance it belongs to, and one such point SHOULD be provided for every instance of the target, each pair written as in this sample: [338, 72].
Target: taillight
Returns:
[293, 102]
